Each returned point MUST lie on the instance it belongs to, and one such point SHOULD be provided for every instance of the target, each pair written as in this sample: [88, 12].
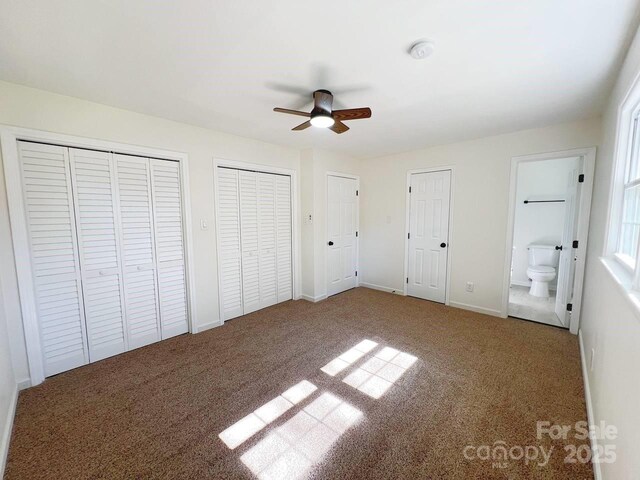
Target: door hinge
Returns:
[356, 273]
[569, 307]
[407, 279]
[356, 193]
[409, 189]
[581, 178]
[408, 235]
[356, 234]
[575, 244]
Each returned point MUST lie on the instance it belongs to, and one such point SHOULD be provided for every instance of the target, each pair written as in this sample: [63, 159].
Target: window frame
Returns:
[627, 154]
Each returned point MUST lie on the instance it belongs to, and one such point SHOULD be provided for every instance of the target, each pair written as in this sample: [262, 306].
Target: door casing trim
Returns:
[589, 156]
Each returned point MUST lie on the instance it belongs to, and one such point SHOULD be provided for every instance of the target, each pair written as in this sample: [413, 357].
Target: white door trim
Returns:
[451, 243]
[9, 137]
[326, 227]
[295, 208]
[589, 156]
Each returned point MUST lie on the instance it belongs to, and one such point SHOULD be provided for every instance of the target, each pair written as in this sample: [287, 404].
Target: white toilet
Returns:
[543, 261]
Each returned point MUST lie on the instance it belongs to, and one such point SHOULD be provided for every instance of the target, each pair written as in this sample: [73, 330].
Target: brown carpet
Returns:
[156, 412]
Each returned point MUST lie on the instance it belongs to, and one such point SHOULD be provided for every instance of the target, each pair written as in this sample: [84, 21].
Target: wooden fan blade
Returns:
[352, 113]
[302, 126]
[292, 112]
[323, 100]
[339, 127]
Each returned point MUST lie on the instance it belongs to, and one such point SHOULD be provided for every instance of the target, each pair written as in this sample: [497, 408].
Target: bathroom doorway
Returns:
[549, 215]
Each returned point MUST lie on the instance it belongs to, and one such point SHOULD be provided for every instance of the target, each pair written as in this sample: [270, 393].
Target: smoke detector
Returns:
[422, 49]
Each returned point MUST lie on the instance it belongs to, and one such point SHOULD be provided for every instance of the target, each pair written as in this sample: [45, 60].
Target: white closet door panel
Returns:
[229, 243]
[267, 239]
[98, 235]
[341, 227]
[55, 263]
[138, 251]
[249, 240]
[167, 212]
[284, 240]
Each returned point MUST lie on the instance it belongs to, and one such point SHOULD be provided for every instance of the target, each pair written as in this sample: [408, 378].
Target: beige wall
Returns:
[610, 325]
[37, 109]
[480, 208]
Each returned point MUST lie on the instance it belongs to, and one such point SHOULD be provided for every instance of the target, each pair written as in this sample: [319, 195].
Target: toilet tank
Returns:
[543, 255]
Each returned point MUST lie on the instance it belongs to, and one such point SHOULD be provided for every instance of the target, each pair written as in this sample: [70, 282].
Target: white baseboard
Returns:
[382, 288]
[8, 427]
[474, 308]
[24, 383]
[312, 299]
[597, 472]
[208, 326]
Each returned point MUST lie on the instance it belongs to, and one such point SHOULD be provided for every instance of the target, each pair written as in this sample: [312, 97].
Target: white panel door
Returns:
[169, 237]
[54, 255]
[284, 238]
[98, 238]
[248, 182]
[567, 262]
[429, 235]
[229, 243]
[267, 239]
[342, 229]
[138, 251]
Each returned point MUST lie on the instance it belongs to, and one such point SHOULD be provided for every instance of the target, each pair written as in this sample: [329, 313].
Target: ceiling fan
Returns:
[323, 116]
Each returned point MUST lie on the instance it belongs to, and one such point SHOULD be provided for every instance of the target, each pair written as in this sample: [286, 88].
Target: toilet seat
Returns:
[541, 269]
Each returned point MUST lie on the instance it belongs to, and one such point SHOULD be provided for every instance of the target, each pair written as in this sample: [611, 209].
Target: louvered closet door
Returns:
[267, 239]
[167, 208]
[54, 259]
[98, 237]
[283, 235]
[248, 182]
[138, 250]
[229, 243]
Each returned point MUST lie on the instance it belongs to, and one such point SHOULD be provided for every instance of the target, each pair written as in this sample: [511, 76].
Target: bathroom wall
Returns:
[541, 223]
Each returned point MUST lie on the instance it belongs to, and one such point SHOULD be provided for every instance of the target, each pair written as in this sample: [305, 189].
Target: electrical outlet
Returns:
[469, 287]
[592, 361]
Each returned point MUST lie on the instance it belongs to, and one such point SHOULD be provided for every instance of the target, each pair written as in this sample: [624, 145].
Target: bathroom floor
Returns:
[523, 305]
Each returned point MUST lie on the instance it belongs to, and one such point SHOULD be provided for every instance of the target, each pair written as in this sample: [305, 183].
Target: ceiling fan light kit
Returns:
[322, 120]
[323, 115]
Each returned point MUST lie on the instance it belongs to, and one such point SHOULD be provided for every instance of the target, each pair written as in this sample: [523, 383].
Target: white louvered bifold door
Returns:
[138, 250]
[284, 246]
[229, 243]
[54, 259]
[167, 208]
[267, 239]
[248, 182]
[99, 245]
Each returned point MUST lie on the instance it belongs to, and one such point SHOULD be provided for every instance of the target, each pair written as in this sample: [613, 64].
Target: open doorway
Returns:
[549, 215]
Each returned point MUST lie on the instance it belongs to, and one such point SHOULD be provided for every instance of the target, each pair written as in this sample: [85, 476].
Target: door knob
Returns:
[442, 245]
[558, 247]
[330, 243]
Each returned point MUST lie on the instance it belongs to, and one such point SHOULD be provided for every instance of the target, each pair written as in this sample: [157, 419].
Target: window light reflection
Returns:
[291, 449]
[248, 426]
[376, 375]
[338, 364]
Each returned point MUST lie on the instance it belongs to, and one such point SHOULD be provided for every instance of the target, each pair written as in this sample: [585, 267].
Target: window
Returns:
[627, 249]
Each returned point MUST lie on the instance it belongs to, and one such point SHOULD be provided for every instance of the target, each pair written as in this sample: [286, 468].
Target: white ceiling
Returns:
[499, 65]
